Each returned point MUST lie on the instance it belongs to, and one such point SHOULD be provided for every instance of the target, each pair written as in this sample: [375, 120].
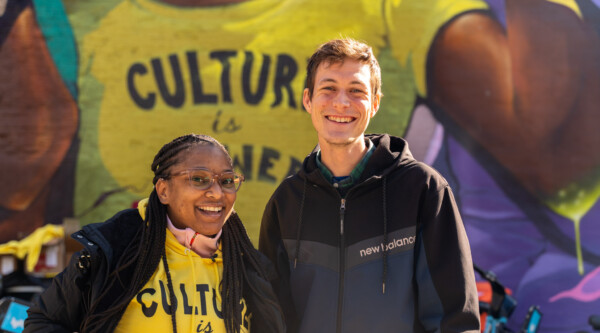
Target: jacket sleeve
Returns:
[447, 293]
[270, 243]
[60, 307]
[267, 316]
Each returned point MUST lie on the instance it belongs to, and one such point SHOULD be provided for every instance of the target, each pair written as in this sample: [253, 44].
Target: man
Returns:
[364, 237]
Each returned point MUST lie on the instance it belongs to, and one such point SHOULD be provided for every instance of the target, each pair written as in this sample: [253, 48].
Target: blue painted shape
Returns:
[15, 318]
[54, 24]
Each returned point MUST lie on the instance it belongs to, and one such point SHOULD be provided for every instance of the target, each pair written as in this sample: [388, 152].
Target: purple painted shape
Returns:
[482, 198]
[549, 276]
[506, 242]
[499, 9]
[502, 239]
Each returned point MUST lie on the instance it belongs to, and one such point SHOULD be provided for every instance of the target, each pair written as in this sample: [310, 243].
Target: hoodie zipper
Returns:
[342, 265]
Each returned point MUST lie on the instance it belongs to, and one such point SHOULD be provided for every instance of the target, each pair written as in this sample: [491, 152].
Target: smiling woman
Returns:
[192, 196]
[181, 248]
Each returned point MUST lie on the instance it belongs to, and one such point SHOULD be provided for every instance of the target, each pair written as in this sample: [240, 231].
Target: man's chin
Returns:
[340, 142]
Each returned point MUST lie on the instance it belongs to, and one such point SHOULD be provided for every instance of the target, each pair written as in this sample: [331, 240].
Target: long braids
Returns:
[237, 252]
[146, 250]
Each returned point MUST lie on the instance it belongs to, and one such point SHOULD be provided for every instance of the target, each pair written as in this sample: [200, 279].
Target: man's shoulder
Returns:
[288, 183]
[422, 173]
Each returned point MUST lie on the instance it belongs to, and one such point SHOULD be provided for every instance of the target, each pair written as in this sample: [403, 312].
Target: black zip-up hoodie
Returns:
[390, 256]
[66, 303]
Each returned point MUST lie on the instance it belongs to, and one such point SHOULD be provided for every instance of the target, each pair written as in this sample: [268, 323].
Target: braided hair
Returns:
[145, 252]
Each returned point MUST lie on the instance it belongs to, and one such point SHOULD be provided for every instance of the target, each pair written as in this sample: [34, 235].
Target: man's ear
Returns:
[306, 101]
[376, 100]
[162, 190]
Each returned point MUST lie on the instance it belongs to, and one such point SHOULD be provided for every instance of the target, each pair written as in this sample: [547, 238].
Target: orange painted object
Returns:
[484, 292]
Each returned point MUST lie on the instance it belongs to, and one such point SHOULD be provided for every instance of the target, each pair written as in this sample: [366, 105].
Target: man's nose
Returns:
[341, 101]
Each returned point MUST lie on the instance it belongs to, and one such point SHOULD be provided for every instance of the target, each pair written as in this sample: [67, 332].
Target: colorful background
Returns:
[502, 97]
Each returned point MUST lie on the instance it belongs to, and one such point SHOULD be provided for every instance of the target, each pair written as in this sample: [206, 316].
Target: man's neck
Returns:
[341, 159]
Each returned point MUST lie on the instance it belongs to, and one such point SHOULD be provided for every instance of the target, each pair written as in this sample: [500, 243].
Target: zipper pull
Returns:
[342, 212]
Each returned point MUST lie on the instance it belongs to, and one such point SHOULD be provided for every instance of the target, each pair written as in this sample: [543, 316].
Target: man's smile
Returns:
[340, 119]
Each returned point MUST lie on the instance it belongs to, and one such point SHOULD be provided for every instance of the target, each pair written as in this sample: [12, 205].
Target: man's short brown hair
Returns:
[336, 51]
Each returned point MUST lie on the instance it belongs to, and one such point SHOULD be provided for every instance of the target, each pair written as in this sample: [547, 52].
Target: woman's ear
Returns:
[162, 190]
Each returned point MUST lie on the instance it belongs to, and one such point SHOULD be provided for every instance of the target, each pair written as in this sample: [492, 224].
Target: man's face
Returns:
[342, 102]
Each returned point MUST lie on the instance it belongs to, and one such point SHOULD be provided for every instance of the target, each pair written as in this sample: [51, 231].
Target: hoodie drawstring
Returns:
[300, 224]
[172, 298]
[188, 253]
[385, 237]
[385, 233]
[217, 278]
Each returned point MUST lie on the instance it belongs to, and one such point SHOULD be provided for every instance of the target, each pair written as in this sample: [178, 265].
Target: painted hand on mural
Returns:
[39, 123]
[527, 94]
[521, 99]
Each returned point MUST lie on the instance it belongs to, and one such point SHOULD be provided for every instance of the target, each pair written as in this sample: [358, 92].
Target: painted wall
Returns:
[501, 97]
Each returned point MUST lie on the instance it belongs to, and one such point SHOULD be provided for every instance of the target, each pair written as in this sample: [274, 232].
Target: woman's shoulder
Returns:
[123, 221]
[114, 232]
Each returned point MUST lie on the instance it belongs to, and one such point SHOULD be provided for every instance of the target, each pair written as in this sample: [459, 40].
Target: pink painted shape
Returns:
[578, 293]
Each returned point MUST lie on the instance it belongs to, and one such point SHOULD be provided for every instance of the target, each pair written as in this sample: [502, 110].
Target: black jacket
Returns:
[64, 305]
[390, 256]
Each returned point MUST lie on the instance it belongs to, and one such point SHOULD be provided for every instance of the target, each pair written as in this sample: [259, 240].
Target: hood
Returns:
[390, 153]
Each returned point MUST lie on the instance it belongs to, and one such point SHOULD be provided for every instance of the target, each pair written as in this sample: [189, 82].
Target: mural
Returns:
[499, 96]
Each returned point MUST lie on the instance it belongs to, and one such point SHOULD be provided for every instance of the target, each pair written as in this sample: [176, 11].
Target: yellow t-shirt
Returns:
[150, 72]
[196, 284]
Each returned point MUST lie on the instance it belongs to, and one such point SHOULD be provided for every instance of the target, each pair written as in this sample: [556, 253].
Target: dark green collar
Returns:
[346, 182]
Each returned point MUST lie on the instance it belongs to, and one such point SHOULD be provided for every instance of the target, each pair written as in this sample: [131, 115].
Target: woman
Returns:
[181, 262]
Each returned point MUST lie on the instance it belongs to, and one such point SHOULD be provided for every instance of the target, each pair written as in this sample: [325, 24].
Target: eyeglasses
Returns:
[203, 179]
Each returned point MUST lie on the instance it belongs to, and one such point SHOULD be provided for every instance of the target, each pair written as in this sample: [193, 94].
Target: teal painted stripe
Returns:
[54, 24]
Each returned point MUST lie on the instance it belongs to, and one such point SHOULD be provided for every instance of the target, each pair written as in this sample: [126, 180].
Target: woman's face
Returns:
[203, 210]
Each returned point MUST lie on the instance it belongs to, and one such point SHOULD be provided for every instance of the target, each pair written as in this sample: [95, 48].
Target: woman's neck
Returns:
[204, 246]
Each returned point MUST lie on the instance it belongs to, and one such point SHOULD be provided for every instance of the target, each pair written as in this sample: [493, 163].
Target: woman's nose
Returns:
[215, 189]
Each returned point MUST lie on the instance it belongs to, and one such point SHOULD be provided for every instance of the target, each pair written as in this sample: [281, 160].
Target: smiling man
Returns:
[365, 238]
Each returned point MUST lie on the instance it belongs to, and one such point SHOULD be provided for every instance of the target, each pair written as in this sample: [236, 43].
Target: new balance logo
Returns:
[400, 242]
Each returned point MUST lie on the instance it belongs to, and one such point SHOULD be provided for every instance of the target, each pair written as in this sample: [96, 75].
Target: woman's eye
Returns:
[229, 181]
[200, 180]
